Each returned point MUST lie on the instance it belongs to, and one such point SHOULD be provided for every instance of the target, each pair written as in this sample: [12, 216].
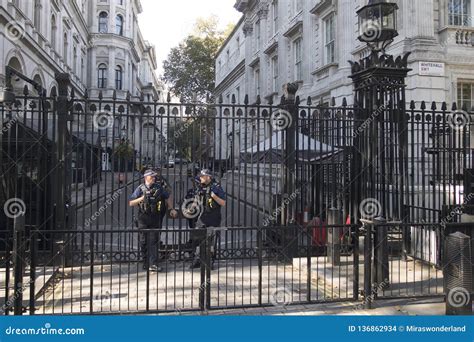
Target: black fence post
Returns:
[381, 255]
[19, 264]
[62, 180]
[289, 122]
[203, 271]
[368, 266]
[289, 104]
[210, 236]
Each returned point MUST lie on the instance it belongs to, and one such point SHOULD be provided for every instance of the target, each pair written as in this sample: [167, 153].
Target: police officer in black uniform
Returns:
[210, 197]
[152, 199]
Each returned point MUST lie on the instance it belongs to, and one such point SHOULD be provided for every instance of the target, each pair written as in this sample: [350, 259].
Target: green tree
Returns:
[190, 67]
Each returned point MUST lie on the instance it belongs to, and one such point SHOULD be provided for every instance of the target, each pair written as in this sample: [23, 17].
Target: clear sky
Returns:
[166, 22]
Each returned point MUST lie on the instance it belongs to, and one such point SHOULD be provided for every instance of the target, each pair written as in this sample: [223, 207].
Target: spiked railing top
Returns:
[380, 61]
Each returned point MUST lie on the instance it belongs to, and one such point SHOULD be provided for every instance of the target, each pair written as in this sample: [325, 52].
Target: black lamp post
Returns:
[379, 84]
[378, 24]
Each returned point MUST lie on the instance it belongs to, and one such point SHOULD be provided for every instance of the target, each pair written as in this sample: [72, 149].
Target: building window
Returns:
[275, 16]
[329, 39]
[257, 35]
[37, 15]
[118, 77]
[275, 72]
[466, 95]
[74, 62]
[54, 31]
[65, 48]
[257, 81]
[460, 12]
[119, 25]
[298, 53]
[102, 76]
[238, 46]
[103, 22]
[82, 68]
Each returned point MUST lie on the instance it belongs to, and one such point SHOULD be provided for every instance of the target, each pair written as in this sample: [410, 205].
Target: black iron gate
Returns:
[306, 185]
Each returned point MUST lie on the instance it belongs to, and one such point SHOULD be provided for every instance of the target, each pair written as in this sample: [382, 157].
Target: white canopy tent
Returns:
[308, 150]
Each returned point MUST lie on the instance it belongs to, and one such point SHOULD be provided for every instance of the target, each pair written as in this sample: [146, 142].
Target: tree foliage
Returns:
[190, 67]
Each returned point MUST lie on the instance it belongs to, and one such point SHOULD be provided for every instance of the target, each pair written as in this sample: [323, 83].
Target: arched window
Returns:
[38, 79]
[102, 76]
[65, 48]
[118, 77]
[119, 25]
[54, 31]
[103, 22]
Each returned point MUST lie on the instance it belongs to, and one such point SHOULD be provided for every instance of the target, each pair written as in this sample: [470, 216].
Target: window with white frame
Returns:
[298, 55]
[257, 35]
[238, 46]
[466, 94]
[329, 39]
[257, 81]
[275, 74]
[275, 16]
[460, 12]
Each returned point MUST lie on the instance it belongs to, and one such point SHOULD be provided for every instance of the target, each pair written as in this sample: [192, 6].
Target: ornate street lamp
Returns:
[378, 24]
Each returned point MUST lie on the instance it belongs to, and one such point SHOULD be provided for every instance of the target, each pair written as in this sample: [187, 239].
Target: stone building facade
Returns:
[97, 42]
[310, 42]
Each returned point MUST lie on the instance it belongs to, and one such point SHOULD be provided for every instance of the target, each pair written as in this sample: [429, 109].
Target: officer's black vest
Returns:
[154, 203]
[209, 204]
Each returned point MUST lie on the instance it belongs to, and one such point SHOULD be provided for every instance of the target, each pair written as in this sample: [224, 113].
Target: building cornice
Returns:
[295, 29]
[271, 48]
[322, 6]
[231, 35]
[238, 71]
